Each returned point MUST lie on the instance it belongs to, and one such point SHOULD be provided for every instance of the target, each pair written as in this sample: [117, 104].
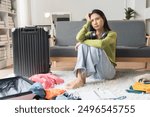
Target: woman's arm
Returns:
[101, 43]
[83, 33]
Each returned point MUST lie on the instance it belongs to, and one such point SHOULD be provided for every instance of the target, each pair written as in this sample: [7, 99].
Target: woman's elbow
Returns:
[79, 38]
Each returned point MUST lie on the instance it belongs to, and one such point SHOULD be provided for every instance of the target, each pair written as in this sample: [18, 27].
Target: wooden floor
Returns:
[69, 65]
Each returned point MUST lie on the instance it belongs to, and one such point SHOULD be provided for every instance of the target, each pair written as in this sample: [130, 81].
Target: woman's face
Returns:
[97, 21]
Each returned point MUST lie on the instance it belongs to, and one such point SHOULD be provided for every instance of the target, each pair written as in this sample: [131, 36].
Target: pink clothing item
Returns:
[47, 80]
[56, 78]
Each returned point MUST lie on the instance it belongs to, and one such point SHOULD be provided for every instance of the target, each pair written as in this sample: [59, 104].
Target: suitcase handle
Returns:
[30, 28]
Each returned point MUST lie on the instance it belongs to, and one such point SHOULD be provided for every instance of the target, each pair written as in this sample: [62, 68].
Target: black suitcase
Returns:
[30, 51]
[16, 88]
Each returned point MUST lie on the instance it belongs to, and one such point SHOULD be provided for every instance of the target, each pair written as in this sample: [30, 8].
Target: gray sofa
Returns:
[131, 41]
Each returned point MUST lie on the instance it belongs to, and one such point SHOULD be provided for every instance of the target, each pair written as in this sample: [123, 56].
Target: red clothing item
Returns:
[47, 80]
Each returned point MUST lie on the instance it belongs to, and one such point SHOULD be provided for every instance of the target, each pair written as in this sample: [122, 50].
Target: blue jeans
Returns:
[94, 63]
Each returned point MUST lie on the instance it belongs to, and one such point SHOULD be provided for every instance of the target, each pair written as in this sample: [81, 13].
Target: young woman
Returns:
[96, 50]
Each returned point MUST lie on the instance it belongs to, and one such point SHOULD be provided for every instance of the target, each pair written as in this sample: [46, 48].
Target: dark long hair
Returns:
[100, 13]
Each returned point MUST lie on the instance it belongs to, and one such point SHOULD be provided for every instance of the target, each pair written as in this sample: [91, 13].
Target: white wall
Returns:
[23, 13]
[31, 12]
[140, 6]
[113, 9]
[147, 3]
[147, 16]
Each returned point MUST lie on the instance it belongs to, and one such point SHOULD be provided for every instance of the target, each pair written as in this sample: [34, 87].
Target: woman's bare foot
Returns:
[78, 82]
[75, 84]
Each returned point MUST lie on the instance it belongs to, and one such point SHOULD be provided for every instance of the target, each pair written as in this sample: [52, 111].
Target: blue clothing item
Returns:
[131, 90]
[68, 96]
[38, 89]
[94, 62]
[61, 97]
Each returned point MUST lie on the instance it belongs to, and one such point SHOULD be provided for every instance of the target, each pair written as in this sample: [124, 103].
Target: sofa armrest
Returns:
[148, 40]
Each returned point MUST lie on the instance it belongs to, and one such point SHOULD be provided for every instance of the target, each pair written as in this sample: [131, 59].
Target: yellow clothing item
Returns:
[141, 87]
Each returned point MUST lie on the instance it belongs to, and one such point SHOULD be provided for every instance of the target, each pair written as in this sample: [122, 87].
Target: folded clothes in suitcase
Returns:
[16, 88]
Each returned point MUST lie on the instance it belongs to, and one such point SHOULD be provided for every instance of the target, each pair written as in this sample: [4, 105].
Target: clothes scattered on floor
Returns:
[144, 80]
[51, 93]
[141, 86]
[38, 89]
[68, 96]
[44, 88]
[47, 80]
[48, 94]
[131, 90]
[61, 94]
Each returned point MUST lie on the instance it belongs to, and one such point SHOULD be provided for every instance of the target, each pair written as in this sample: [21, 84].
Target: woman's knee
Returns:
[94, 50]
[82, 45]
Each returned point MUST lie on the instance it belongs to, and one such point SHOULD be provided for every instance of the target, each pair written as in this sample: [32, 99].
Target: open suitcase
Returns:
[16, 88]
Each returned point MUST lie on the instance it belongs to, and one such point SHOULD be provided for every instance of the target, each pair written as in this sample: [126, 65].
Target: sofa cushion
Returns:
[121, 51]
[63, 51]
[129, 33]
[124, 51]
[66, 32]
